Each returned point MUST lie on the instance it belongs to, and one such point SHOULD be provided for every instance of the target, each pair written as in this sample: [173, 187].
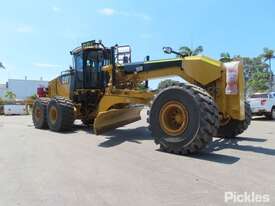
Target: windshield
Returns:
[95, 60]
[254, 96]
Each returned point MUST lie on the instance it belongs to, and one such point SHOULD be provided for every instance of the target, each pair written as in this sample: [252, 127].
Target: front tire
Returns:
[60, 114]
[183, 119]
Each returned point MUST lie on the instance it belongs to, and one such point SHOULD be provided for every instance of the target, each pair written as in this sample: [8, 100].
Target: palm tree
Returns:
[10, 95]
[187, 51]
[268, 55]
[1, 65]
[225, 57]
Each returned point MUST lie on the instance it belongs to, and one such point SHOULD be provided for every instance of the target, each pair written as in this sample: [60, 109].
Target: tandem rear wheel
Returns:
[56, 113]
[235, 127]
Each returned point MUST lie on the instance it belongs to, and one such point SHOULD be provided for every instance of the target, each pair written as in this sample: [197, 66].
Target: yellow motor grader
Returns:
[102, 89]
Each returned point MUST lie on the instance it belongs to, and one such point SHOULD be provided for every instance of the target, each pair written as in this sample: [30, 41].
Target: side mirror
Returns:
[167, 50]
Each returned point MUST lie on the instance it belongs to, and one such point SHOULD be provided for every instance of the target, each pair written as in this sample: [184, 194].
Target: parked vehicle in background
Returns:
[263, 104]
[15, 110]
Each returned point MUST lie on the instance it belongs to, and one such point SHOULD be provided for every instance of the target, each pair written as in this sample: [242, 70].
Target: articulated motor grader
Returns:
[102, 89]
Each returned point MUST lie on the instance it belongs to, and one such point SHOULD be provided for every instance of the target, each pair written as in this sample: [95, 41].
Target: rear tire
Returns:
[39, 113]
[201, 122]
[236, 127]
[60, 114]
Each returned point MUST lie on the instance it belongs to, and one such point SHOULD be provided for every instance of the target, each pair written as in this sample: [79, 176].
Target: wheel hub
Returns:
[173, 118]
[37, 113]
[53, 114]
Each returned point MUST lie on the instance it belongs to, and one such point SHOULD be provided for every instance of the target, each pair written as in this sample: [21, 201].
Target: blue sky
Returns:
[36, 36]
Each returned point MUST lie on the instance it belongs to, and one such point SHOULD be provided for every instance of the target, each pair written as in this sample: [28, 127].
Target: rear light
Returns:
[263, 101]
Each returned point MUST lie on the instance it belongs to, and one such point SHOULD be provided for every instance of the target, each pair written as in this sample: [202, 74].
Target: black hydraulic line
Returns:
[113, 63]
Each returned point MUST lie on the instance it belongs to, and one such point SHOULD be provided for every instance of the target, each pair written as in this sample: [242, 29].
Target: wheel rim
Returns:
[173, 118]
[53, 115]
[37, 113]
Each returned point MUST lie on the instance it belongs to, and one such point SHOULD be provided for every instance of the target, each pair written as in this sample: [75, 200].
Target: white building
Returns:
[23, 88]
[3, 90]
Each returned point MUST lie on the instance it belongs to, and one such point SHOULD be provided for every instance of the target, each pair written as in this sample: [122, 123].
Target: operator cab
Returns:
[87, 63]
[90, 57]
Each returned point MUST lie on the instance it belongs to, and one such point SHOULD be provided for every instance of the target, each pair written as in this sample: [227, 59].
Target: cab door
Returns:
[79, 74]
[92, 68]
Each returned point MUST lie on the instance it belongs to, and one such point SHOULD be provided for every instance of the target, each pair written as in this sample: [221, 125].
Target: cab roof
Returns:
[88, 45]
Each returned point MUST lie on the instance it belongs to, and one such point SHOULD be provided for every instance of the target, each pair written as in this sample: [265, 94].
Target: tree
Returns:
[256, 74]
[10, 95]
[268, 55]
[258, 82]
[1, 65]
[166, 83]
[187, 51]
[225, 57]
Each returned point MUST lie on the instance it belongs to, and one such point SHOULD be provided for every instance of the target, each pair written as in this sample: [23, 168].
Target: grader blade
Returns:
[114, 118]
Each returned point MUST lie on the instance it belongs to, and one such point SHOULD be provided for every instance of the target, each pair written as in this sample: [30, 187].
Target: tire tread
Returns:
[209, 121]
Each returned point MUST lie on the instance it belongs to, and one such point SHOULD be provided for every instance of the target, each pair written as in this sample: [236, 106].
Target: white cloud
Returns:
[45, 65]
[56, 9]
[111, 12]
[24, 29]
[107, 11]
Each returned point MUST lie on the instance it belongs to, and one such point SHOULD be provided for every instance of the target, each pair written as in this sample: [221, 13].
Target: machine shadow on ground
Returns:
[137, 135]
[233, 143]
[119, 136]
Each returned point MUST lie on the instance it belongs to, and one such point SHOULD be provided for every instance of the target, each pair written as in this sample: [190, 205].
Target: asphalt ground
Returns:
[125, 167]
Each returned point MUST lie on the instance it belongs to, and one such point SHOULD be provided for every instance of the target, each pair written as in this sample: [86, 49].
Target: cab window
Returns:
[79, 66]
[79, 63]
[65, 79]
